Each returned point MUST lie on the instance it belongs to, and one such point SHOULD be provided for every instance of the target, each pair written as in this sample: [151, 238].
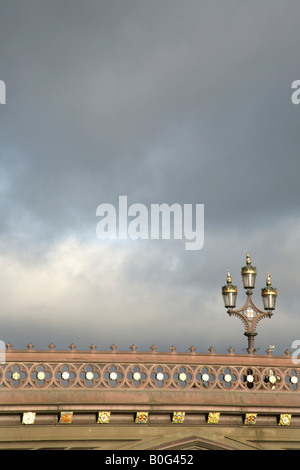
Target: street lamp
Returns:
[229, 293]
[248, 273]
[249, 313]
[269, 295]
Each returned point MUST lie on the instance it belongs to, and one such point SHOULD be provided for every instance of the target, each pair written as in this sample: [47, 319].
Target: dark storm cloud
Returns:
[186, 102]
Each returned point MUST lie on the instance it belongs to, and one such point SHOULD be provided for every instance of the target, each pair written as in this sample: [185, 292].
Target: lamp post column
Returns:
[250, 335]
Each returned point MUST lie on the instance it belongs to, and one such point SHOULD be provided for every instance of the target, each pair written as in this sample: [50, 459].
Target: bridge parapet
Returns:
[149, 370]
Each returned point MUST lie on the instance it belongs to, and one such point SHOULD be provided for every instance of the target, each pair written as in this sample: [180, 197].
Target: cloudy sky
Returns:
[164, 101]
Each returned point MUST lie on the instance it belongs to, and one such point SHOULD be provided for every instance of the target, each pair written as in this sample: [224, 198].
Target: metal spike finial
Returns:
[268, 282]
[228, 277]
[248, 259]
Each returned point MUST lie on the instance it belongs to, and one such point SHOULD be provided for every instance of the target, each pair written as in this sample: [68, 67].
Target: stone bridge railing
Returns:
[112, 370]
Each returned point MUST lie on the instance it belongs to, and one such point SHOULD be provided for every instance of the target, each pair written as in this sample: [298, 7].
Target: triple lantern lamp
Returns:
[248, 273]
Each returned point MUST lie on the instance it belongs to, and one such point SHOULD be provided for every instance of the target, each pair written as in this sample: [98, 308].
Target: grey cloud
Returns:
[164, 102]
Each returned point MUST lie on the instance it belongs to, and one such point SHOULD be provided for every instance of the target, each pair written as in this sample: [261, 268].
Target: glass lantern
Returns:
[269, 295]
[248, 274]
[229, 293]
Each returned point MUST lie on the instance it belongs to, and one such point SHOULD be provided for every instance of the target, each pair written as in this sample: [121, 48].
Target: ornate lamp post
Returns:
[249, 313]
